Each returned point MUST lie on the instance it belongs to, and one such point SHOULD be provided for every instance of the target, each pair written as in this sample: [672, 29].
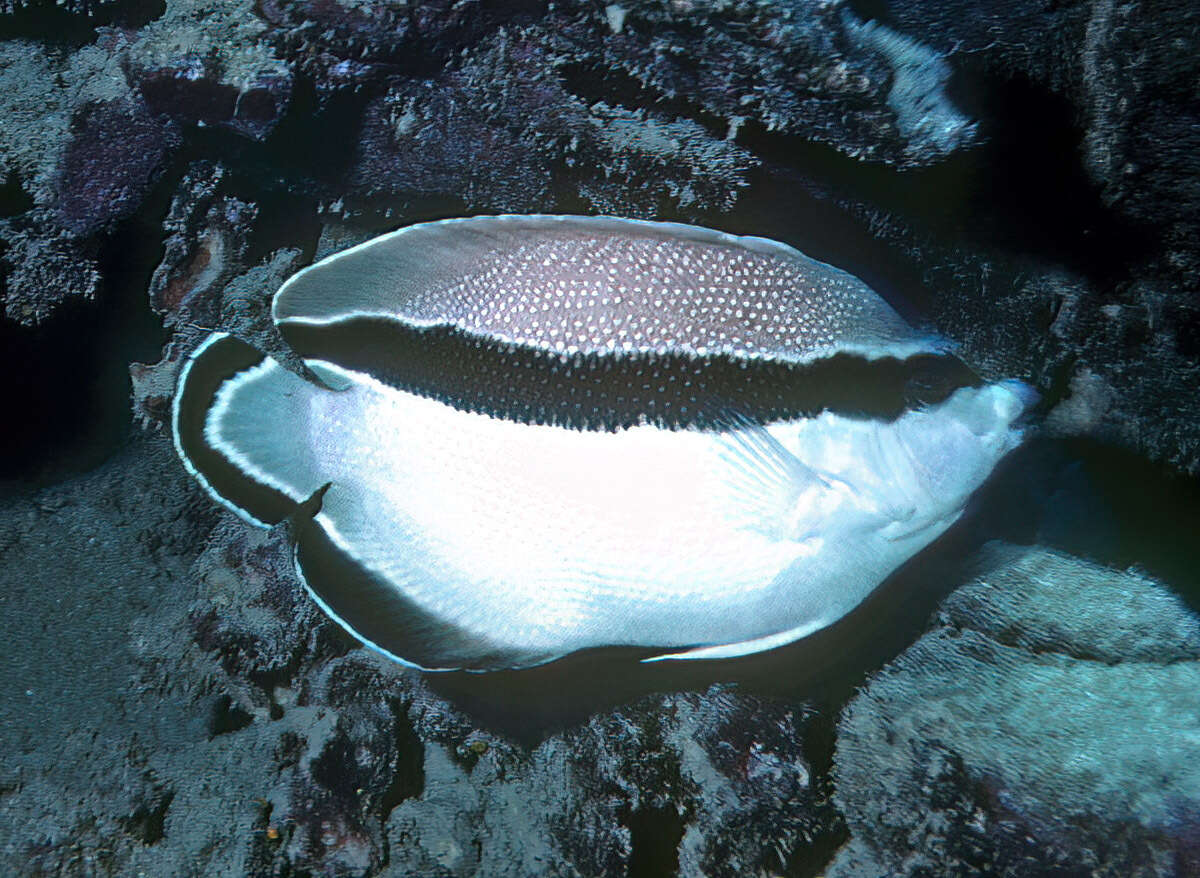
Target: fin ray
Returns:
[765, 478]
[741, 648]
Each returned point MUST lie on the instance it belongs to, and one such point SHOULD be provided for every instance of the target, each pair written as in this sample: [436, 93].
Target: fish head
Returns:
[950, 449]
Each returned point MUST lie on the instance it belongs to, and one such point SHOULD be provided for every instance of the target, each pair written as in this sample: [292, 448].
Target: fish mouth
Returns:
[1026, 393]
[1029, 400]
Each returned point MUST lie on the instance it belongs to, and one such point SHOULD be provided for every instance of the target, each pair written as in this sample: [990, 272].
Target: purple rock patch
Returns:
[117, 151]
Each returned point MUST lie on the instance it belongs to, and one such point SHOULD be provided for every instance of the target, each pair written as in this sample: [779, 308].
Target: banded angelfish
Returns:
[524, 436]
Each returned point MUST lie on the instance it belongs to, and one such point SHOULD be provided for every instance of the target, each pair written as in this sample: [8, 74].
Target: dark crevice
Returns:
[1099, 502]
[74, 22]
[147, 822]
[69, 404]
[304, 157]
[871, 10]
[226, 717]
[654, 837]
[1032, 192]
[1056, 386]
[286, 216]
[819, 735]
[14, 199]
[1024, 191]
[408, 771]
[1185, 319]
[316, 140]
[811, 860]
[336, 769]
[285, 220]
[819, 743]
[408, 774]
[302, 160]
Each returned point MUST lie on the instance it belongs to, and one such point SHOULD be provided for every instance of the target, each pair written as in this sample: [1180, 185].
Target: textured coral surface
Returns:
[1021, 176]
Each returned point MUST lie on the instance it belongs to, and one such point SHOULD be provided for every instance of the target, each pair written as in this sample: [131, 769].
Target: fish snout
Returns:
[1023, 393]
[1016, 402]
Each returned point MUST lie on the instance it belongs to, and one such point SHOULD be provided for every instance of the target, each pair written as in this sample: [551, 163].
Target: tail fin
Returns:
[239, 419]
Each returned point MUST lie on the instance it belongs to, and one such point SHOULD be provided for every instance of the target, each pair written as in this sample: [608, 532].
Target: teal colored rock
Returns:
[1053, 711]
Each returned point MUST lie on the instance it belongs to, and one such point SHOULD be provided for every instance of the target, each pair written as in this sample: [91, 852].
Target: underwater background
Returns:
[1021, 176]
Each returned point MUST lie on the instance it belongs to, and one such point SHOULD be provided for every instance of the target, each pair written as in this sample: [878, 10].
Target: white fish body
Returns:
[541, 540]
[537, 485]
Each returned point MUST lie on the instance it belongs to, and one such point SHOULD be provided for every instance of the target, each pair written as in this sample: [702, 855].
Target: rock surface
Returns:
[1048, 717]
[1021, 176]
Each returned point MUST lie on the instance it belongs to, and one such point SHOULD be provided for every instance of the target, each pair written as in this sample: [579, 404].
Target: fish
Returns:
[518, 437]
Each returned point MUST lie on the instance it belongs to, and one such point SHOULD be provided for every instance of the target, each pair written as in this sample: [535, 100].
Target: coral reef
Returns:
[1022, 176]
[1016, 731]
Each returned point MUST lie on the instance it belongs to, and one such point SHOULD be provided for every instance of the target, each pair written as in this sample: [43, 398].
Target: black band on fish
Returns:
[591, 391]
[379, 615]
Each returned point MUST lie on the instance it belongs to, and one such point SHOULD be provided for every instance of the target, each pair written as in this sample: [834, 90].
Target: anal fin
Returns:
[744, 647]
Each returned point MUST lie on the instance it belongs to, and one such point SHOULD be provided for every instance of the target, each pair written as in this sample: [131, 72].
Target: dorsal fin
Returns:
[579, 284]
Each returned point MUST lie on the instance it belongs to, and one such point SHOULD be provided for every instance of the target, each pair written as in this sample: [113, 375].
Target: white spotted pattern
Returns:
[601, 285]
[612, 293]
